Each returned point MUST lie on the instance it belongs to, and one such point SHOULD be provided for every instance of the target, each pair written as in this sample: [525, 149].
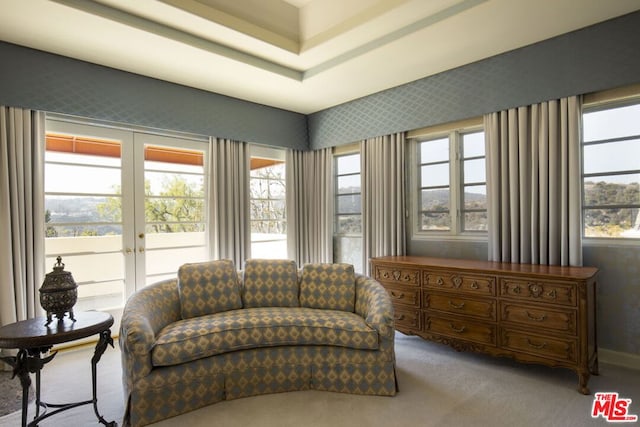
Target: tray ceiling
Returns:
[299, 55]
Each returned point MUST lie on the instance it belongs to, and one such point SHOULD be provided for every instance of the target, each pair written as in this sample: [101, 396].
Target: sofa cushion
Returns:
[208, 287]
[328, 286]
[198, 337]
[270, 283]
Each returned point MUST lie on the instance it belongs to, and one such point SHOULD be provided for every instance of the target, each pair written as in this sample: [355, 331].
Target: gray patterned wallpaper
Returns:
[595, 58]
[43, 81]
[618, 296]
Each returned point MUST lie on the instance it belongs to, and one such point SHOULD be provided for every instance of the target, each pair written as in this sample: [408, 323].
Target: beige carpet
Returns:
[438, 387]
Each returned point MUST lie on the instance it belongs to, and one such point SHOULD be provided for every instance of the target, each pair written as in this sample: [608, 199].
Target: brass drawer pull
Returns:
[538, 346]
[474, 285]
[439, 281]
[454, 305]
[458, 330]
[537, 319]
[397, 296]
[398, 317]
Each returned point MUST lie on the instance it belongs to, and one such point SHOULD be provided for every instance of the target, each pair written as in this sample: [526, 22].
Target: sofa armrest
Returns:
[374, 305]
[145, 314]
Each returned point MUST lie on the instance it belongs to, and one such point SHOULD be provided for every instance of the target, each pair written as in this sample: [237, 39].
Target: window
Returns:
[268, 204]
[347, 241]
[175, 180]
[83, 215]
[123, 208]
[451, 182]
[474, 182]
[611, 171]
[435, 185]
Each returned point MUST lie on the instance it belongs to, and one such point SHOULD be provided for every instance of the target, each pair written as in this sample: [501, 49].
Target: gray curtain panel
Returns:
[229, 215]
[310, 201]
[21, 213]
[383, 196]
[533, 183]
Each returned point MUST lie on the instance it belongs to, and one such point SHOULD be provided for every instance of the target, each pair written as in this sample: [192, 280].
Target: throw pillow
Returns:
[270, 283]
[208, 287]
[328, 286]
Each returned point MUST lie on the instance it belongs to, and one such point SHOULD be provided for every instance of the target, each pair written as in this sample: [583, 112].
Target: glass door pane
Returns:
[171, 197]
[84, 210]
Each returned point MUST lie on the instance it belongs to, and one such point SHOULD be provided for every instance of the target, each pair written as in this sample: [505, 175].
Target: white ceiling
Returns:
[299, 55]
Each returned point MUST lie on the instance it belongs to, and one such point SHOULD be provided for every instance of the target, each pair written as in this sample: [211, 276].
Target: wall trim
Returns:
[618, 358]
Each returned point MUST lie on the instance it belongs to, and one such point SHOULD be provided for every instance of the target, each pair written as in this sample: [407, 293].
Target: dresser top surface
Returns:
[580, 273]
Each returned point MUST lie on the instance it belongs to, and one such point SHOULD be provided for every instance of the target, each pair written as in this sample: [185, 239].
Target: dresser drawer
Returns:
[407, 318]
[540, 291]
[477, 285]
[485, 309]
[538, 319]
[563, 349]
[404, 295]
[461, 328]
[401, 276]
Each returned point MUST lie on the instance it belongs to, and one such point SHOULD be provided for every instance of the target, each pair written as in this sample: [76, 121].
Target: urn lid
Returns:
[58, 280]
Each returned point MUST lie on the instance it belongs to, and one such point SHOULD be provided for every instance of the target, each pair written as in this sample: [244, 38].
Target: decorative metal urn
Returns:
[58, 293]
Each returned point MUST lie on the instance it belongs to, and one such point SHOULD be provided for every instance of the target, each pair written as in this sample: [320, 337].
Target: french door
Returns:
[169, 206]
[123, 208]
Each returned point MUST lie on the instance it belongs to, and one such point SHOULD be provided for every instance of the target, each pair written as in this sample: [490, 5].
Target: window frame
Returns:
[594, 103]
[461, 159]
[350, 150]
[279, 155]
[454, 133]
[337, 194]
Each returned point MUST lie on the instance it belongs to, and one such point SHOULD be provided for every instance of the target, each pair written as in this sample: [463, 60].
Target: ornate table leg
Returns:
[28, 361]
[101, 346]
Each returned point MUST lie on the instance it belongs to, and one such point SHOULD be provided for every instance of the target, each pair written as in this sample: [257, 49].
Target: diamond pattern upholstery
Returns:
[208, 287]
[154, 393]
[270, 283]
[328, 286]
[204, 336]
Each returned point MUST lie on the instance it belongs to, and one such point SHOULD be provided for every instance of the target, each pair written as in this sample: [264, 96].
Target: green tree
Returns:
[267, 194]
[50, 231]
[177, 207]
[603, 218]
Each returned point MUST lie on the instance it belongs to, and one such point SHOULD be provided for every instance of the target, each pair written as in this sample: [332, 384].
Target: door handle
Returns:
[141, 235]
[141, 250]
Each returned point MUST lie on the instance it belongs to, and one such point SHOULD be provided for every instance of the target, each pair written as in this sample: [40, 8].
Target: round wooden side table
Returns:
[33, 338]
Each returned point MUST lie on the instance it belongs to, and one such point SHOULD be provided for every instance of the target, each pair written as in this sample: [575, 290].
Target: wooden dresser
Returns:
[531, 313]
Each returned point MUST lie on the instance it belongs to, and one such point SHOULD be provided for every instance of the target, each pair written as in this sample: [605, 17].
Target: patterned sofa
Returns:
[217, 334]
